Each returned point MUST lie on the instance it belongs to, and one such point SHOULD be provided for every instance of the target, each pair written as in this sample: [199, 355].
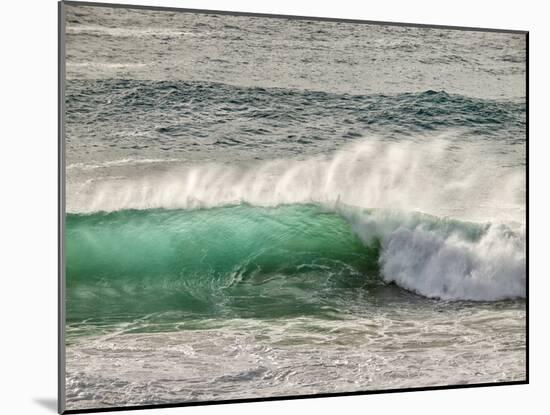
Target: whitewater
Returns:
[269, 207]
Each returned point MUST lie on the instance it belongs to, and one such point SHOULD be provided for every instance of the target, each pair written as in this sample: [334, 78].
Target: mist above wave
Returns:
[437, 176]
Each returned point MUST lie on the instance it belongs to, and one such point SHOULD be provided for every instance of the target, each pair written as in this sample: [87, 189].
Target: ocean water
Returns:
[267, 207]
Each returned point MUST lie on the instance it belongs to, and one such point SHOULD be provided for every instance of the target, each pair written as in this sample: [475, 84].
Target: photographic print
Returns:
[260, 207]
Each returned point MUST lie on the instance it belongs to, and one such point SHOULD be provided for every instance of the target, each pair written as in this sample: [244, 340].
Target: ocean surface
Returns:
[267, 207]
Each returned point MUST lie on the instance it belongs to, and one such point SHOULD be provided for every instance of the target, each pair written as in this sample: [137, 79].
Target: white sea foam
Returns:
[444, 259]
[451, 268]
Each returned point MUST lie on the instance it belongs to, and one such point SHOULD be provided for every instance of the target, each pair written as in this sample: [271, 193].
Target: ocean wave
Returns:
[437, 176]
[188, 101]
[434, 217]
[292, 257]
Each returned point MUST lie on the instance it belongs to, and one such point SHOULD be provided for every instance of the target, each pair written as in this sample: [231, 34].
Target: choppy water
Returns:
[266, 207]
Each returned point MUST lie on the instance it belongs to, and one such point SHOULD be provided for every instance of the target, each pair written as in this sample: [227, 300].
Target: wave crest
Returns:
[439, 177]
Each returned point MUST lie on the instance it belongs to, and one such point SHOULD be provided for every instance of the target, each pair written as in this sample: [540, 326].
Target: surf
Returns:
[293, 258]
[437, 217]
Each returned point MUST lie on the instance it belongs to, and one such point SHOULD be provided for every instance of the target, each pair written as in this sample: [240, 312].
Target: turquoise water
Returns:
[240, 261]
[271, 207]
[236, 261]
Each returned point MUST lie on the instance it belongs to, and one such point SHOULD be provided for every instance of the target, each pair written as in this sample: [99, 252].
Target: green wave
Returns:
[239, 260]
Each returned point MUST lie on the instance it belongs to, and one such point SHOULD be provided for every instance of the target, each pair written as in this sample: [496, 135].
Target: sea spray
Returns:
[434, 175]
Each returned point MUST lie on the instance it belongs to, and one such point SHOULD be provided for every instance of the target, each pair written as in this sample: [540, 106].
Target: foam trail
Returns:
[432, 176]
